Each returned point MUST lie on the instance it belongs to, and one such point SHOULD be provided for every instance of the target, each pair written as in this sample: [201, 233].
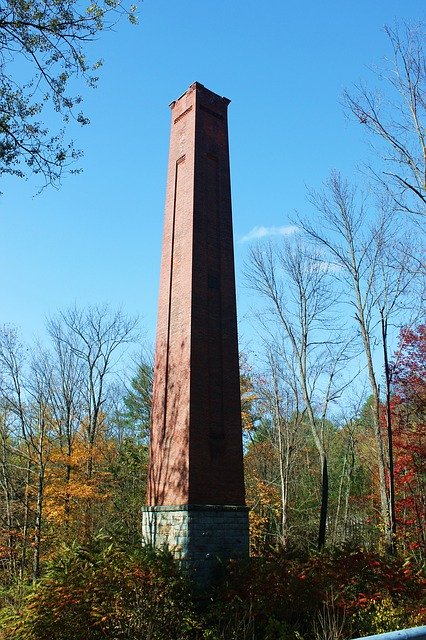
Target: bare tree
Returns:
[8, 491]
[24, 397]
[88, 345]
[397, 119]
[15, 425]
[375, 279]
[39, 434]
[47, 400]
[351, 441]
[296, 286]
[278, 396]
[395, 290]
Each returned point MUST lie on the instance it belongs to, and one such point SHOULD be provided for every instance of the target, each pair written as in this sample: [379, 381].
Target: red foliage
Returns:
[409, 435]
[409, 367]
[293, 589]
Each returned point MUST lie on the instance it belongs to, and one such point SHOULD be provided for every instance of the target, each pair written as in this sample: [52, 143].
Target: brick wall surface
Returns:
[196, 448]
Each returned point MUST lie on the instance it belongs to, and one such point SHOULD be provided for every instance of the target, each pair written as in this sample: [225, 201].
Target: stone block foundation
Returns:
[198, 535]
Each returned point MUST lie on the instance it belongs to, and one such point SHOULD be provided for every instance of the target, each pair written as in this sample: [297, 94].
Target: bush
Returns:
[101, 591]
[341, 594]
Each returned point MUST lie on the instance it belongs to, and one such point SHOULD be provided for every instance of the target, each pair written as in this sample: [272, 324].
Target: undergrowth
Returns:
[103, 591]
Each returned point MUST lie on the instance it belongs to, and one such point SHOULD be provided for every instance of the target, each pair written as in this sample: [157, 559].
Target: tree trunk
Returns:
[381, 457]
[7, 492]
[343, 476]
[283, 462]
[38, 523]
[392, 514]
[324, 504]
[25, 523]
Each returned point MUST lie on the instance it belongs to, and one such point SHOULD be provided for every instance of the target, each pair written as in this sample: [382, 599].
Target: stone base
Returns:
[198, 535]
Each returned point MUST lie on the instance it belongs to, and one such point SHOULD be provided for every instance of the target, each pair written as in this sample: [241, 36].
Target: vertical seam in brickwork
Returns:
[216, 175]
[221, 283]
[194, 167]
[172, 247]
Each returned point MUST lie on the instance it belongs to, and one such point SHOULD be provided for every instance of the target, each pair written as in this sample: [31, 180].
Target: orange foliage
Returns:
[263, 496]
[70, 490]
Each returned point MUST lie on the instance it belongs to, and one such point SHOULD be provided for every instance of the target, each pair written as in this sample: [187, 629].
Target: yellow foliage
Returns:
[248, 396]
[258, 525]
[76, 480]
[382, 616]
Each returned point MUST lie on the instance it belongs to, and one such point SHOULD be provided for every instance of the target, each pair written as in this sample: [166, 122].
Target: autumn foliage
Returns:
[104, 591]
[72, 565]
[409, 432]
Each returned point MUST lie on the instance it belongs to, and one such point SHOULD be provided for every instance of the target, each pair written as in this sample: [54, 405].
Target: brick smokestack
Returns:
[196, 457]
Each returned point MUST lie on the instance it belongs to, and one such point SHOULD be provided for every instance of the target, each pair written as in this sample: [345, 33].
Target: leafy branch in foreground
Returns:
[42, 52]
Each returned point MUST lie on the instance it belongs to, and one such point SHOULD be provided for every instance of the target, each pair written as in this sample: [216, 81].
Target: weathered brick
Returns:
[196, 450]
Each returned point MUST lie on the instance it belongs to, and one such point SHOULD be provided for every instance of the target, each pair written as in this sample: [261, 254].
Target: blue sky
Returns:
[282, 64]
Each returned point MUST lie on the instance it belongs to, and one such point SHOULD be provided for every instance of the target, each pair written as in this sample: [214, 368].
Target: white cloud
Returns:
[262, 232]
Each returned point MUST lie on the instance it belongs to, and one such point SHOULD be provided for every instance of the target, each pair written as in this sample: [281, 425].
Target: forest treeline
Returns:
[74, 446]
[74, 450]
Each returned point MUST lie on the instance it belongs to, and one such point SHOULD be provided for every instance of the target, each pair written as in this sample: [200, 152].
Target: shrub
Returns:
[101, 591]
[340, 594]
